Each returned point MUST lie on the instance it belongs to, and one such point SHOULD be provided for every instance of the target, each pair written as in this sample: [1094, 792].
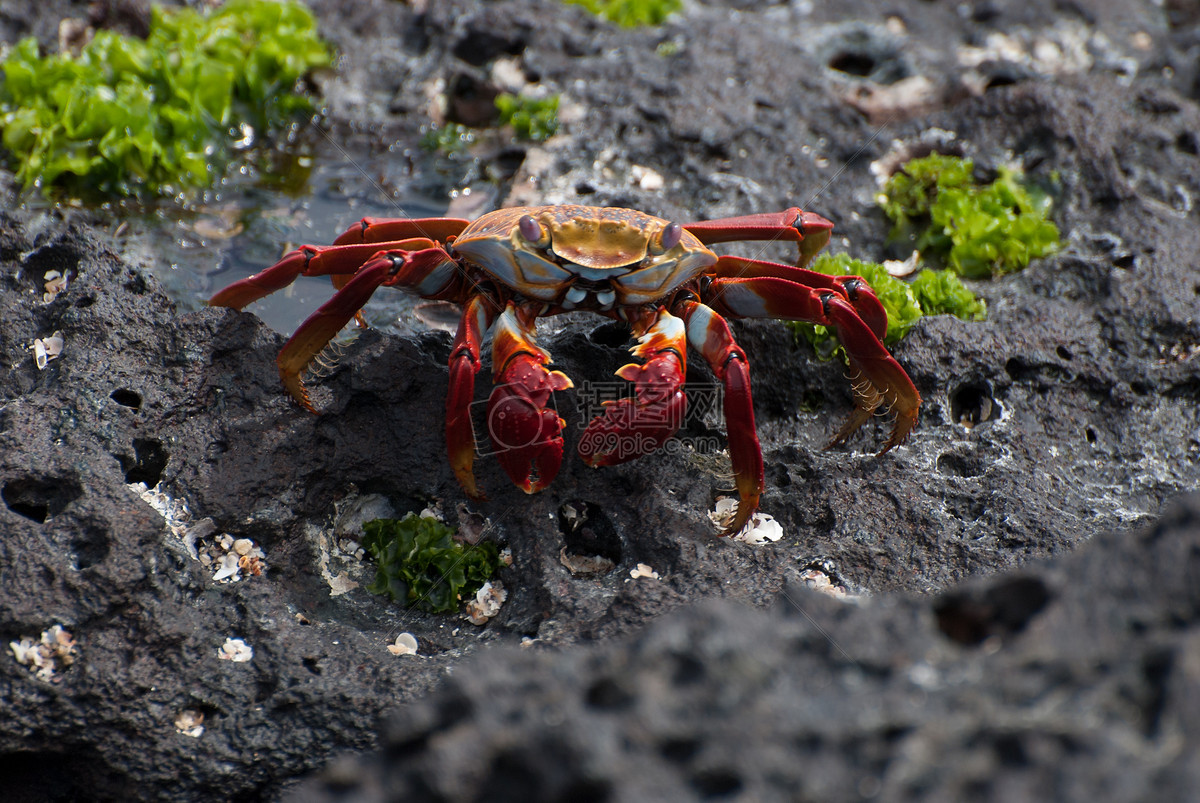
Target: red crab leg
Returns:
[307, 260]
[877, 377]
[854, 288]
[387, 233]
[388, 229]
[526, 434]
[632, 427]
[808, 229]
[411, 269]
[708, 333]
[464, 364]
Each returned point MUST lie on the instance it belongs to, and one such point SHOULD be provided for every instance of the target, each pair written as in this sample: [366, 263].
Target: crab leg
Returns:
[632, 427]
[877, 377]
[429, 269]
[308, 260]
[708, 333]
[389, 229]
[477, 317]
[855, 289]
[526, 434]
[808, 229]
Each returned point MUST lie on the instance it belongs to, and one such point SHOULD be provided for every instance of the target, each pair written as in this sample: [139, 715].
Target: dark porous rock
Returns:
[1073, 679]
[1022, 623]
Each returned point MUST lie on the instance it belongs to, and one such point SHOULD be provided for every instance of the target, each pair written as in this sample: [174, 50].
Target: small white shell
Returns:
[643, 570]
[406, 644]
[236, 650]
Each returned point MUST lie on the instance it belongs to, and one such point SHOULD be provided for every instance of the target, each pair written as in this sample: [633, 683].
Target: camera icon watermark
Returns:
[514, 422]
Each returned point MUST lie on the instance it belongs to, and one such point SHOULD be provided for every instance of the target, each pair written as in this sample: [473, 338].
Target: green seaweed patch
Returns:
[929, 293]
[129, 116]
[630, 13]
[532, 119]
[976, 230]
[418, 563]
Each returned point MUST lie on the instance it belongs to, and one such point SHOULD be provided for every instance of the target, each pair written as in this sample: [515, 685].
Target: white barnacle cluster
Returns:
[231, 557]
[236, 650]
[761, 529]
[487, 602]
[49, 656]
[56, 282]
[46, 349]
[228, 557]
[643, 570]
[190, 722]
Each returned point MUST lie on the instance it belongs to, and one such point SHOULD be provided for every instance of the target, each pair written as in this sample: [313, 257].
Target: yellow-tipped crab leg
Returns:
[709, 334]
[877, 377]
[808, 230]
[632, 427]
[429, 270]
[526, 433]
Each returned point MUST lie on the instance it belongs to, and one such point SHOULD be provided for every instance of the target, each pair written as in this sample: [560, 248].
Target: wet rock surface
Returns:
[1065, 423]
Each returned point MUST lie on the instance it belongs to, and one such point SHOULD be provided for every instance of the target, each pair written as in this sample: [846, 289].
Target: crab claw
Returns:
[525, 432]
[632, 427]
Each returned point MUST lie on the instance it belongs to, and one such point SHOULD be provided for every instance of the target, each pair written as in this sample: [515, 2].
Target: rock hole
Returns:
[89, 547]
[688, 670]
[998, 81]
[586, 790]
[614, 334]
[588, 531]
[607, 694]
[471, 100]
[679, 749]
[1156, 668]
[39, 775]
[972, 404]
[1124, 261]
[39, 499]
[127, 398]
[147, 465]
[312, 665]
[1064, 353]
[972, 616]
[1010, 752]
[1090, 435]
[716, 782]
[959, 465]
[859, 64]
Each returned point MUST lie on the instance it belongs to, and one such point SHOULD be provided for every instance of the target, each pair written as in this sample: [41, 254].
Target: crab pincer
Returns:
[525, 431]
[632, 427]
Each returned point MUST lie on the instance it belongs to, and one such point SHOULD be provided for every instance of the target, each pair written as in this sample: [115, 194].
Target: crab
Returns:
[511, 266]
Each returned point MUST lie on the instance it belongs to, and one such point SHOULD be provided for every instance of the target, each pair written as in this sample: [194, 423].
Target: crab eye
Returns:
[530, 229]
[671, 236]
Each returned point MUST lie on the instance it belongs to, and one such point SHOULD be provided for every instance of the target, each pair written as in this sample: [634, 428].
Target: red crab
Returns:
[512, 266]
